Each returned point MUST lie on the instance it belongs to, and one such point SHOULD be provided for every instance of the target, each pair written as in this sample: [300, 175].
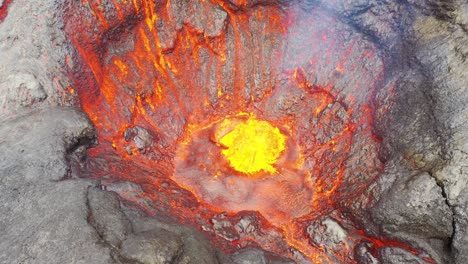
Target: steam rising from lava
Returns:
[278, 194]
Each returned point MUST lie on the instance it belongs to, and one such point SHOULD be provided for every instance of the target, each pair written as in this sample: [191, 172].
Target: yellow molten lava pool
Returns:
[252, 145]
[245, 162]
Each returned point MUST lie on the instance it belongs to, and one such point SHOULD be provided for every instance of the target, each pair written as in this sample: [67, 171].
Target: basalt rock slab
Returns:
[34, 56]
[257, 256]
[443, 55]
[35, 145]
[416, 206]
[43, 212]
[389, 255]
[160, 248]
[106, 216]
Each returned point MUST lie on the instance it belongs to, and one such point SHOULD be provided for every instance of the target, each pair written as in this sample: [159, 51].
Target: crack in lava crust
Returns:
[158, 76]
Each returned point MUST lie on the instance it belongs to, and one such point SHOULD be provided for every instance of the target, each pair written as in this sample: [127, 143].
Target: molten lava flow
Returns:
[252, 146]
[164, 83]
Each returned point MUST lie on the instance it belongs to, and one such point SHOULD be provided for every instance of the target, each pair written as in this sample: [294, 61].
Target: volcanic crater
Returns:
[247, 131]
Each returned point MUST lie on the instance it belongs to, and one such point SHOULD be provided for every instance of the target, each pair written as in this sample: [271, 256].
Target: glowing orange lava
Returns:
[158, 94]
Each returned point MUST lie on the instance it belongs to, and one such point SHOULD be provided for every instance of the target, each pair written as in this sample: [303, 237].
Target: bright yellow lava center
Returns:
[253, 146]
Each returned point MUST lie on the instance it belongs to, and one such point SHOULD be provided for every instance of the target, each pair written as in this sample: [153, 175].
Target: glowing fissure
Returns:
[165, 99]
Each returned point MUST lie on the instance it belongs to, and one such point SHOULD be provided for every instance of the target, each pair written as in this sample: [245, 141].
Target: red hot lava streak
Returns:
[159, 77]
[4, 9]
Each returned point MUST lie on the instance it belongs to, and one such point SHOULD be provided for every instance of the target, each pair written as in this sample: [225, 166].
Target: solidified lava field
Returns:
[164, 82]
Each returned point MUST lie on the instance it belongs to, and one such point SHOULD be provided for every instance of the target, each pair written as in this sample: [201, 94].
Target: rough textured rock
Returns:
[21, 90]
[460, 240]
[409, 128]
[132, 191]
[48, 217]
[383, 21]
[195, 247]
[140, 137]
[132, 237]
[416, 206]
[441, 50]
[390, 255]
[440, 9]
[33, 51]
[42, 140]
[438, 78]
[204, 17]
[107, 217]
[249, 256]
[363, 255]
[46, 223]
[327, 233]
[153, 248]
[43, 215]
[257, 256]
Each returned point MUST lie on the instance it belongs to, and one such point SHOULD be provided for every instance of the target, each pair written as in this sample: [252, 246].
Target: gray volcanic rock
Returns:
[44, 214]
[35, 146]
[363, 255]
[441, 49]
[133, 238]
[249, 256]
[33, 52]
[460, 239]
[21, 90]
[46, 223]
[48, 217]
[429, 132]
[107, 217]
[391, 255]
[327, 233]
[381, 20]
[415, 206]
[204, 17]
[160, 248]
[195, 248]
[442, 9]
[257, 256]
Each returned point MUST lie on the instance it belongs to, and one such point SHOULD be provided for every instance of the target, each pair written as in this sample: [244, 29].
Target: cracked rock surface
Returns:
[408, 204]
